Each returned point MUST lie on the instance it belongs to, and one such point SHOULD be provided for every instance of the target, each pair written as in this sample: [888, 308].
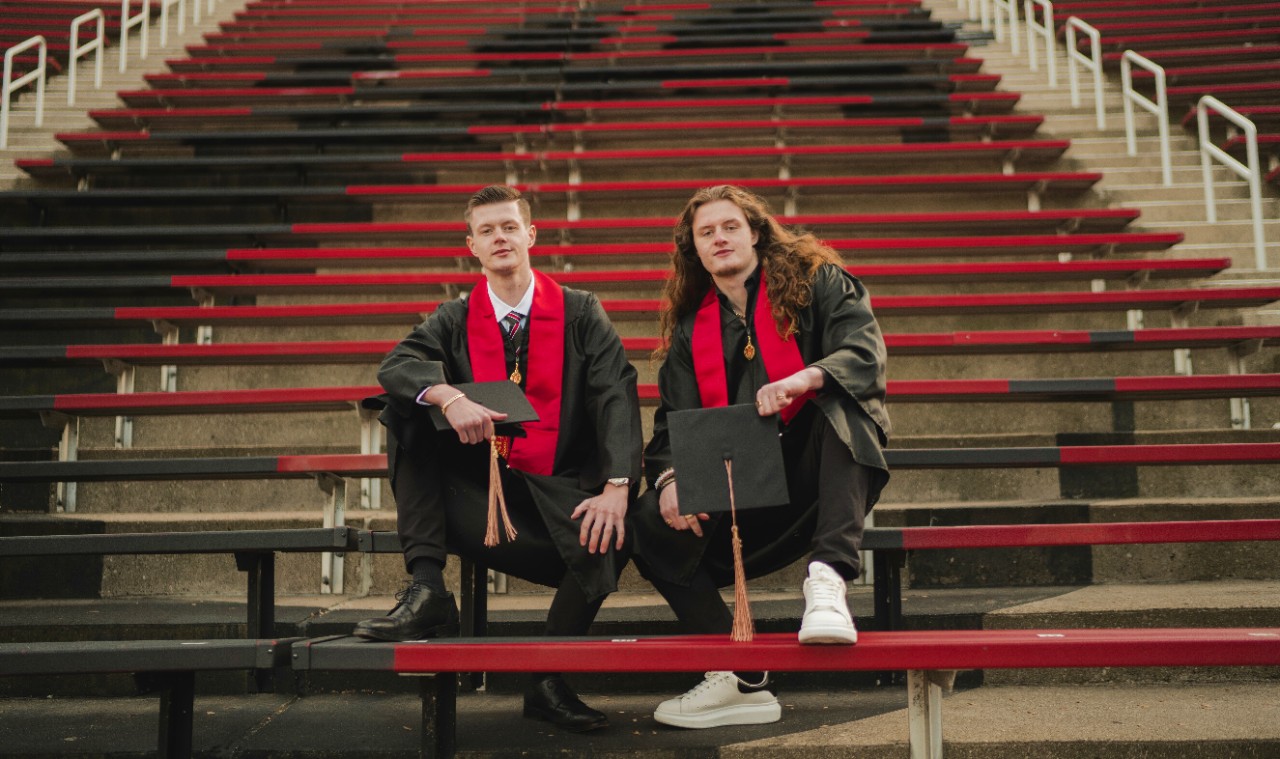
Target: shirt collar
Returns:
[752, 284]
[501, 309]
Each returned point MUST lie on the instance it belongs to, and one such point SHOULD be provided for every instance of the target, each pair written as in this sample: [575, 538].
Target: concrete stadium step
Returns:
[1209, 721]
[1208, 604]
[132, 576]
[26, 140]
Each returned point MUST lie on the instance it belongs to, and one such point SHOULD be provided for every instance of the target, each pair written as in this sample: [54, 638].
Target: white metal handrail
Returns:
[1092, 62]
[1250, 171]
[983, 12]
[1046, 31]
[1159, 108]
[165, 5]
[1000, 11]
[127, 22]
[12, 85]
[77, 50]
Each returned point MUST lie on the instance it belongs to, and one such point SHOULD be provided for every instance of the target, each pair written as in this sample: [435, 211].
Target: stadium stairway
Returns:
[1160, 585]
[26, 139]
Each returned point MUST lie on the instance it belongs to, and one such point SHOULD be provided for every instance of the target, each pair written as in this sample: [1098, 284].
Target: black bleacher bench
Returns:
[547, 17]
[371, 88]
[254, 551]
[939, 104]
[929, 657]
[644, 280]
[343, 398]
[1096, 248]
[1266, 33]
[976, 343]
[578, 74]
[874, 32]
[1078, 220]
[385, 57]
[957, 128]
[812, 162]
[1199, 54]
[891, 545]
[413, 312]
[167, 666]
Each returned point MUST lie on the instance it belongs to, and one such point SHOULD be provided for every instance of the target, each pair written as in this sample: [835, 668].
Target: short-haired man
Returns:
[756, 314]
[567, 482]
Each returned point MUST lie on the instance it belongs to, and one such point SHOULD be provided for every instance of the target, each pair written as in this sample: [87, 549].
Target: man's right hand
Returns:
[473, 422]
[669, 506]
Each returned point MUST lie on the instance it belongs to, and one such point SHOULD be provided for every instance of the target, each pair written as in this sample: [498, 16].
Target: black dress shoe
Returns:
[419, 613]
[551, 699]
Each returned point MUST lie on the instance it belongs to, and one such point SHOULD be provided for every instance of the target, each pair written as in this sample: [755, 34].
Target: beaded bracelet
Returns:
[665, 477]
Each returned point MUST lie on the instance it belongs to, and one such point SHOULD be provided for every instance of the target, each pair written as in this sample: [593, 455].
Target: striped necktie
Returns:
[511, 325]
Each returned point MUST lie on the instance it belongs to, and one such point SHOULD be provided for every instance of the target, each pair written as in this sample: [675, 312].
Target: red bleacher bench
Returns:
[206, 58]
[413, 312]
[927, 656]
[342, 398]
[603, 229]
[1097, 246]
[645, 280]
[117, 356]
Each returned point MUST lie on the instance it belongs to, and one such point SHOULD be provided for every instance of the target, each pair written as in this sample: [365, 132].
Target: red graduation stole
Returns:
[536, 452]
[781, 356]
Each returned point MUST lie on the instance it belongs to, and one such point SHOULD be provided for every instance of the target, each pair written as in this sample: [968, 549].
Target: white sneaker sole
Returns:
[742, 714]
[831, 635]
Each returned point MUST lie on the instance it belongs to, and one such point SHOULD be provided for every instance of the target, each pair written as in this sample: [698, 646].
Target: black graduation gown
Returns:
[837, 332]
[599, 438]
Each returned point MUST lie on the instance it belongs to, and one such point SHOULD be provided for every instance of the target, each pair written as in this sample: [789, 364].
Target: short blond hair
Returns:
[498, 193]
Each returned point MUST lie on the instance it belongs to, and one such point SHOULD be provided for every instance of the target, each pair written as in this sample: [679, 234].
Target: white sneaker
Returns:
[826, 612]
[717, 701]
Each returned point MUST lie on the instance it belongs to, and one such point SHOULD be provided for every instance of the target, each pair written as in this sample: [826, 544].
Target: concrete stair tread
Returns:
[1197, 722]
[1187, 604]
[1090, 606]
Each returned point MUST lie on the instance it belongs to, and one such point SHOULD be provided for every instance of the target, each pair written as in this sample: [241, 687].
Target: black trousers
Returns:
[441, 487]
[822, 475]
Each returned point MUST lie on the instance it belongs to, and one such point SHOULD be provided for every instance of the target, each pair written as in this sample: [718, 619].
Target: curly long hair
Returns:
[790, 261]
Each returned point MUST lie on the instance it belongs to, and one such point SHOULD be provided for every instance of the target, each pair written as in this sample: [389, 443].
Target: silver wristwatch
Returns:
[621, 482]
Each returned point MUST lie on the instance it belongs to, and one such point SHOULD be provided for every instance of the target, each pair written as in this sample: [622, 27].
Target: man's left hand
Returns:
[603, 518]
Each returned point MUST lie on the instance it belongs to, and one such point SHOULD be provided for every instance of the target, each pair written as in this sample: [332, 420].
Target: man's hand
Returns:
[472, 422]
[604, 517]
[776, 396]
[669, 506]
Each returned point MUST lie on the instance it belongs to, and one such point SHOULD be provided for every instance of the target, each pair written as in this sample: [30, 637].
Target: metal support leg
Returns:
[888, 588]
[64, 498]
[370, 442]
[1241, 418]
[439, 715]
[475, 611]
[887, 595]
[335, 515]
[126, 380]
[924, 715]
[261, 607]
[177, 702]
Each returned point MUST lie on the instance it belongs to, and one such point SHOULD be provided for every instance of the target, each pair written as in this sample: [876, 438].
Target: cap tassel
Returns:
[497, 500]
[743, 628]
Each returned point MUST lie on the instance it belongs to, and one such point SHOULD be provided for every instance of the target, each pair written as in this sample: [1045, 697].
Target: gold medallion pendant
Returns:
[749, 352]
[516, 376]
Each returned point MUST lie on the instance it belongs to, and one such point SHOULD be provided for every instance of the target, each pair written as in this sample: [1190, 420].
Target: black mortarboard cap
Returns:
[701, 441]
[503, 396]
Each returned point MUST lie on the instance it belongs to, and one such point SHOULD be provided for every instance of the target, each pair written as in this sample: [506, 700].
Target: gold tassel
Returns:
[743, 628]
[497, 501]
